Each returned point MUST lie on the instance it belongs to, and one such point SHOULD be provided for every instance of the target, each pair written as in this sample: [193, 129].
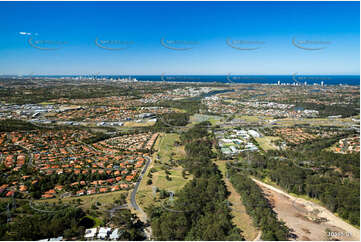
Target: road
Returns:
[133, 202]
[134, 192]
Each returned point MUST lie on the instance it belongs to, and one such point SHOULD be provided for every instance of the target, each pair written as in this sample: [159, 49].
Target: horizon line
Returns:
[163, 74]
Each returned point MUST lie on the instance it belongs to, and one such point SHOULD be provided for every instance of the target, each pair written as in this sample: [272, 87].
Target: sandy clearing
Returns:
[296, 212]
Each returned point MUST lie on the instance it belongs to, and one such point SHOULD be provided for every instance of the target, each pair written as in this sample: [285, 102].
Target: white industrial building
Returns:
[254, 133]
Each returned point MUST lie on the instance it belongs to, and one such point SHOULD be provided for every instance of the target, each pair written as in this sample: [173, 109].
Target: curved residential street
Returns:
[134, 192]
[133, 202]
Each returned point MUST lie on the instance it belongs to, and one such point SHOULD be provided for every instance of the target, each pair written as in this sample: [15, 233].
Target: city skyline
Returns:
[179, 121]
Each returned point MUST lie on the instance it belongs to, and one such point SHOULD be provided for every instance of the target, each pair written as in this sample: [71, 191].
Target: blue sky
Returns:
[266, 28]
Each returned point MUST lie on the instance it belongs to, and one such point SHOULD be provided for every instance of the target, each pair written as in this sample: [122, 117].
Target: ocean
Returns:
[262, 79]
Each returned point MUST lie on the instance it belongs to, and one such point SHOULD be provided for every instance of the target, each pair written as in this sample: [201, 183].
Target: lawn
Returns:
[197, 118]
[97, 221]
[105, 199]
[176, 182]
[46, 103]
[135, 124]
[177, 110]
[341, 122]
[266, 142]
[249, 118]
[165, 147]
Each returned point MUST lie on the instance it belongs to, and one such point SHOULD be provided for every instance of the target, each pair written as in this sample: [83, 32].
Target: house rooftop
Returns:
[90, 233]
[60, 238]
[103, 232]
[114, 235]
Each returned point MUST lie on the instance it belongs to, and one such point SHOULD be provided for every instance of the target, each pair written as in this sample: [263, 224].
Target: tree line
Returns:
[200, 211]
[28, 224]
[332, 178]
[258, 207]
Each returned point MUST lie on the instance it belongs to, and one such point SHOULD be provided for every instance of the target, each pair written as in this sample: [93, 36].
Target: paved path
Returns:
[43, 210]
[112, 211]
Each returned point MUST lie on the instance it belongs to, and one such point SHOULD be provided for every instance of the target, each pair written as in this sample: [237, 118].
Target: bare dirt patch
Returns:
[307, 220]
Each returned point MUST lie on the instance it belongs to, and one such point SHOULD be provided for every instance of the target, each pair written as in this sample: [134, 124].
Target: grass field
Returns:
[265, 142]
[135, 124]
[340, 122]
[197, 118]
[249, 118]
[46, 103]
[177, 110]
[97, 221]
[167, 147]
[166, 150]
[103, 202]
[105, 199]
[240, 217]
